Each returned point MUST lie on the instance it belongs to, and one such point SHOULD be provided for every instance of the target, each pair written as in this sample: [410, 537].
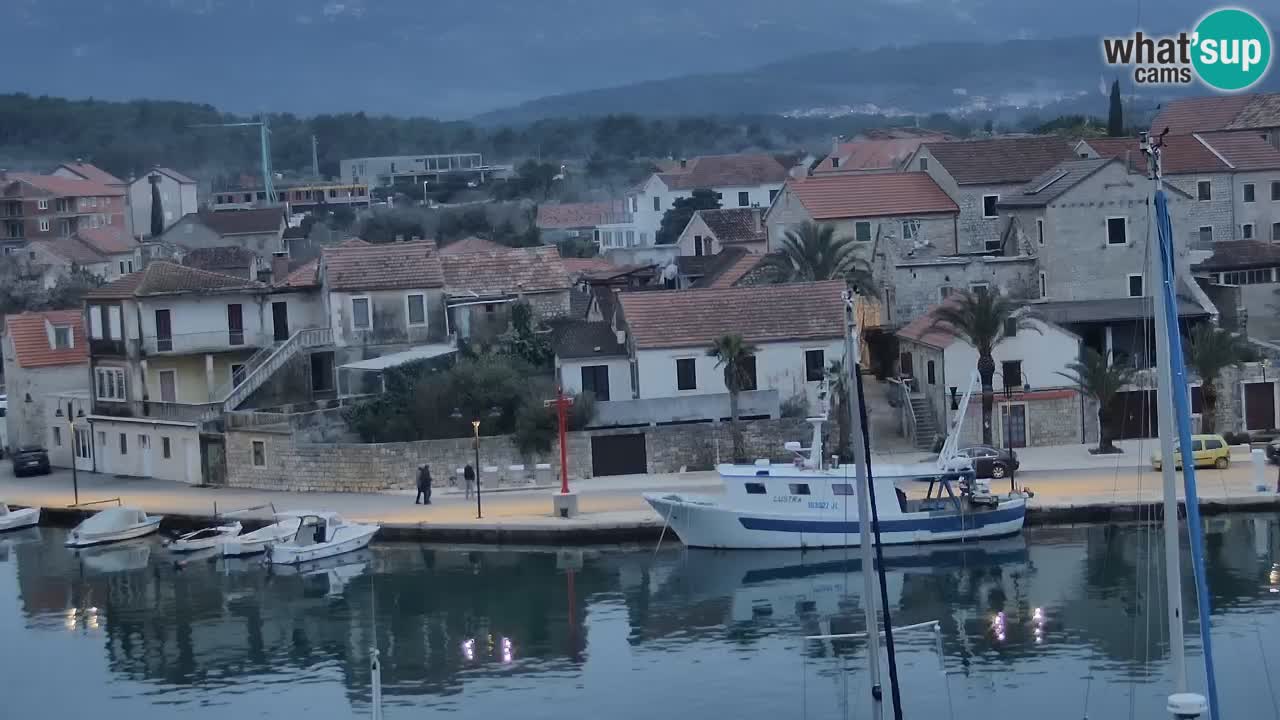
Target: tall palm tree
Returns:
[813, 252]
[839, 399]
[980, 319]
[1211, 351]
[735, 356]
[1102, 382]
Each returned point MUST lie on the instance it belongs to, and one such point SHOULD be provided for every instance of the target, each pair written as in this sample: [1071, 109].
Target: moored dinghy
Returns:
[11, 519]
[321, 535]
[252, 543]
[113, 525]
[205, 538]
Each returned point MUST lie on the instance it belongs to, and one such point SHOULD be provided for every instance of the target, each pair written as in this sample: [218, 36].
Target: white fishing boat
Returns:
[205, 538]
[113, 525]
[11, 519]
[321, 535]
[257, 541]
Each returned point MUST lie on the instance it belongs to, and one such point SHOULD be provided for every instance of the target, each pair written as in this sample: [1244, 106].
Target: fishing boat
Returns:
[113, 525]
[252, 543]
[321, 535]
[205, 538]
[11, 519]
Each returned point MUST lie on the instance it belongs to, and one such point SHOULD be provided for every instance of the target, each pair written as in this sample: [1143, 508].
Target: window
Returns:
[755, 488]
[744, 199]
[42, 204]
[1117, 231]
[62, 338]
[1275, 190]
[1135, 285]
[979, 289]
[862, 231]
[1213, 444]
[657, 204]
[109, 383]
[924, 164]
[945, 291]
[237, 373]
[930, 373]
[122, 267]
[989, 205]
[1040, 231]
[595, 380]
[1044, 285]
[1204, 190]
[124, 444]
[1011, 327]
[1011, 372]
[1246, 231]
[910, 230]
[697, 245]
[635, 204]
[843, 488]
[1206, 233]
[1275, 231]
[57, 436]
[259, 453]
[360, 319]
[235, 324]
[322, 371]
[772, 194]
[746, 374]
[686, 374]
[44, 224]
[165, 450]
[815, 365]
[835, 162]
[799, 488]
[1248, 192]
[417, 309]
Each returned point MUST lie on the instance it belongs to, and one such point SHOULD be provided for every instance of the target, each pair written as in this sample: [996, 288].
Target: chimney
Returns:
[416, 238]
[279, 268]
[399, 238]
[684, 163]
[755, 215]
[835, 144]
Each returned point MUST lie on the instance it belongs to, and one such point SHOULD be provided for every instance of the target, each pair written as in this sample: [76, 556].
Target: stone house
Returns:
[260, 231]
[383, 295]
[1252, 269]
[977, 173]
[1255, 114]
[481, 286]
[45, 354]
[874, 154]
[711, 231]
[55, 258]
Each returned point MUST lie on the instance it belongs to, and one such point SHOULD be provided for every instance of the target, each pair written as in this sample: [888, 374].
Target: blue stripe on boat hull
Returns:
[936, 524]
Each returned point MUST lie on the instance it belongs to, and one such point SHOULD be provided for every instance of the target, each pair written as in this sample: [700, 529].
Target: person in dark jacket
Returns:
[424, 485]
[468, 478]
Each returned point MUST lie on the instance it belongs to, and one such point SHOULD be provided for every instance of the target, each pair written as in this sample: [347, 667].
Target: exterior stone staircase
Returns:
[926, 429]
[259, 369]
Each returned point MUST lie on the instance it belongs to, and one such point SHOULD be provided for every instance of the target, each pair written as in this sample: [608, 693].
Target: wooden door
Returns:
[280, 320]
[164, 331]
[1259, 406]
[235, 324]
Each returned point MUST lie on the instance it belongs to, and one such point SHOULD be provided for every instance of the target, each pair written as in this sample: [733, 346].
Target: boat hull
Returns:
[190, 545]
[257, 541]
[711, 525]
[287, 554]
[141, 530]
[18, 519]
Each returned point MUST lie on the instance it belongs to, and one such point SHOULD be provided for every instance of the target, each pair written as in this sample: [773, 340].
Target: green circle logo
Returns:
[1232, 49]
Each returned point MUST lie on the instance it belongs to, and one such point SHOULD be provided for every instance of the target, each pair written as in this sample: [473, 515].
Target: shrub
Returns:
[796, 406]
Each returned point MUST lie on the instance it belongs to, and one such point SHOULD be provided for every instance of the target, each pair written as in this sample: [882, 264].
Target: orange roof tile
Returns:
[886, 154]
[830, 197]
[736, 271]
[509, 270]
[1183, 117]
[30, 336]
[470, 245]
[307, 275]
[1244, 149]
[578, 215]
[386, 266]
[66, 187]
[713, 171]
[93, 173]
[1001, 160]
[107, 239]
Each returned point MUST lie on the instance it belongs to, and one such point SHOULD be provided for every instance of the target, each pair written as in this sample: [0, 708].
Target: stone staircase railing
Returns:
[254, 379]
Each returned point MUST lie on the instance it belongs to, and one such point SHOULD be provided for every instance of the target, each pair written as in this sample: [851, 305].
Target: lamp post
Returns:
[494, 412]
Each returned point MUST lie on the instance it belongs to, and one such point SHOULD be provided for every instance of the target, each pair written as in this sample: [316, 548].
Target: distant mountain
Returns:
[456, 58]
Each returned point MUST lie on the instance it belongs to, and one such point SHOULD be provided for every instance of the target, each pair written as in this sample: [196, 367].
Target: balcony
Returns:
[106, 346]
[155, 410]
[202, 342]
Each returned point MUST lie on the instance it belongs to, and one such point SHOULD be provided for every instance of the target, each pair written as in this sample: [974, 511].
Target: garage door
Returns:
[1259, 406]
[1133, 414]
[618, 455]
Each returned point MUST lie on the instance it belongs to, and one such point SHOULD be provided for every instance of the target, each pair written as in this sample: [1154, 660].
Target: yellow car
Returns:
[1208, 451]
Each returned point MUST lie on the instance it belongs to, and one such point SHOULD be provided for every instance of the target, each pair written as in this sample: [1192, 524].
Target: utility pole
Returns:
[315, 158]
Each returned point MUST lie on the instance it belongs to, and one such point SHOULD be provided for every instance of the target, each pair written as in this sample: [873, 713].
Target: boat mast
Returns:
[869, 596]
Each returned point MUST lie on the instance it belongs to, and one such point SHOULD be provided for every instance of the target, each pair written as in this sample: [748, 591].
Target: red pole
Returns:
[564, 455]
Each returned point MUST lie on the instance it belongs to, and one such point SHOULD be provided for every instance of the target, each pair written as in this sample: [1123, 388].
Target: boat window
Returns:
[799, 488]
[764, 473]
[842, 488]
[755, 488]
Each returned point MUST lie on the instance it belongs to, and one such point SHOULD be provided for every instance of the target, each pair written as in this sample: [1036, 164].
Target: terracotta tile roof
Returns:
[506, 271]
[713, 171]
[244, 222]
[119, 289]
[1263, 111]
[1052, 184]
[66, 187]
[735, 272]
[162, 277]
[578, 215]
[583, 339]
[582, 266]
[923, 331]
[71, 249]
[354, 242]
[829, 197]
[1244, 150]
[1241, 255]
[107, 239]
[30, 336]
[735, 225]
[579, 302]
[1000, 161]
[93, 173]
[387, 266]
[307, 275]
[227, 257]
[1183, 154]
[470, 245]
[760, 314]
[886, 154]
[1190, 115]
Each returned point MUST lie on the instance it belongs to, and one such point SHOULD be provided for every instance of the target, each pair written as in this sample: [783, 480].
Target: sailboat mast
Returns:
[1167, 427]
[869, 597]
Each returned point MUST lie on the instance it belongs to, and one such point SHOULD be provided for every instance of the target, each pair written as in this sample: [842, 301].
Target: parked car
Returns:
[1207, 450]
[989, 462]
[30, 460]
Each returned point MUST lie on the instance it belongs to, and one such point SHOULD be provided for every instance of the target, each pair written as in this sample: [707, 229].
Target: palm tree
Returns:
[738, 359]
[1211, 351]
[838, 396]
[981, 319]
[1102, 382]
[813, 252]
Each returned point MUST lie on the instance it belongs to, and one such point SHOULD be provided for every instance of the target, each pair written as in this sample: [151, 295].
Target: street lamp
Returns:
[71, 425]
[494, 412]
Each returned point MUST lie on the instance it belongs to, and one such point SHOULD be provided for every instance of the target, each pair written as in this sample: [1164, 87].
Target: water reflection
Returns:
[1026, 620]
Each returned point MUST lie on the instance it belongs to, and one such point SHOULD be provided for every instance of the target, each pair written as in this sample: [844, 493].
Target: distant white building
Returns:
[178, 198]
[411, 169]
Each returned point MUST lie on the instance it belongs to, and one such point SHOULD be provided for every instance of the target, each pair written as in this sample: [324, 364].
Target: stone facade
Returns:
[977, 232]
[917, 286]
[1218, 213]
[1054, 417]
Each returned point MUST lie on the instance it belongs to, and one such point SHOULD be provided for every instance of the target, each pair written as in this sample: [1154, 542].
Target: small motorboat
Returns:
[321, 535]
[252, 543]
[11, 519]
[205, 538]
[113, 525]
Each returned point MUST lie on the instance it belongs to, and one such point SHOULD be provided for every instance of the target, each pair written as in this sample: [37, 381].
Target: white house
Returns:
[592, 357]
[178, 198]
[711, 231]
[389, 294]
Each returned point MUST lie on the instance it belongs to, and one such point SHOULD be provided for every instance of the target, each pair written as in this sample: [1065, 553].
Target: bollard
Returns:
[1259, 460]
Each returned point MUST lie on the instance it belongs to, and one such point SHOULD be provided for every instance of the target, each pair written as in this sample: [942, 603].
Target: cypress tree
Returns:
[157, 208]
[1115, 116]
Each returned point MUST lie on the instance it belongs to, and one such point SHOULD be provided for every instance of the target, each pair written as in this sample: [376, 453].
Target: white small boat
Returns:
[321, 535]
[252, 543]
[205, 538]
[113, 525]
[11, 519]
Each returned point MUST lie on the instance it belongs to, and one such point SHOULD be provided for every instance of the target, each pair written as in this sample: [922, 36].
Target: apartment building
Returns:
[38, 207]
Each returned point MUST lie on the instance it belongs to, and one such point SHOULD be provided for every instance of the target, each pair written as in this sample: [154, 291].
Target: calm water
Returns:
[121, 632]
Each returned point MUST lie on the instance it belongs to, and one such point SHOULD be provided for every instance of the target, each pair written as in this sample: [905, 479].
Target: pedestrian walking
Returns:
[469, 478]
[424, 485]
